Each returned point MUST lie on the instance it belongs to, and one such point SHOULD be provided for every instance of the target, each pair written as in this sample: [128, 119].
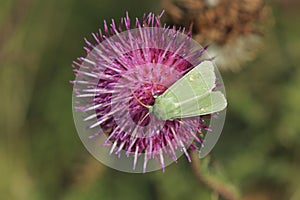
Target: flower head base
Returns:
[116, 85]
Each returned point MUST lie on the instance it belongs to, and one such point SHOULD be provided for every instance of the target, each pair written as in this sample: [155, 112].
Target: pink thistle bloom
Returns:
[123, 72]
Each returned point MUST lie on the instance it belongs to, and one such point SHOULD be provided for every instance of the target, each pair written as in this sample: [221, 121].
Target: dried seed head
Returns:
[229, 26]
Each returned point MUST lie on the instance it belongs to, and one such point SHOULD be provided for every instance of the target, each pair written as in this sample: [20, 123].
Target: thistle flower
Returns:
[123, 72]
[232, 28]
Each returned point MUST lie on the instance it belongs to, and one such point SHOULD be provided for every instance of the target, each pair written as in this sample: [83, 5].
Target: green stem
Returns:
[211, 182]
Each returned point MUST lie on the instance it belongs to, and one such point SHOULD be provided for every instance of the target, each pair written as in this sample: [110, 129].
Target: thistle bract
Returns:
[123, 73]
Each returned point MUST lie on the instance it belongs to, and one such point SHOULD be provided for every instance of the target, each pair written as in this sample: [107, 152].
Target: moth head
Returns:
[162, 107]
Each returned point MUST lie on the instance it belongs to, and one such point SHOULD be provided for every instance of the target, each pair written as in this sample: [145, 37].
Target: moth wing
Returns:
[211, 103]
[173, 107]
[192, 95]
[199, 81]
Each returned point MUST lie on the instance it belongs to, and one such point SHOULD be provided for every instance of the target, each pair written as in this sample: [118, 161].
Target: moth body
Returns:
[190, 96]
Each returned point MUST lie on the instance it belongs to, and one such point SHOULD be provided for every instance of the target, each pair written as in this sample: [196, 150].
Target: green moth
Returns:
[190, 96]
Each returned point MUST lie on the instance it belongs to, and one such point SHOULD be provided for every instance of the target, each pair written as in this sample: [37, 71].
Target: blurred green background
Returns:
[42, 157]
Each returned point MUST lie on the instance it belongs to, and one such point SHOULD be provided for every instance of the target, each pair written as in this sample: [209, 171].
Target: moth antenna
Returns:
[140, 122]
[152, 93]
[144, 118]
[140, 102]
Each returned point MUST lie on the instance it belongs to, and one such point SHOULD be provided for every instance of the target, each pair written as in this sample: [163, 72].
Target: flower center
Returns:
[143, 98]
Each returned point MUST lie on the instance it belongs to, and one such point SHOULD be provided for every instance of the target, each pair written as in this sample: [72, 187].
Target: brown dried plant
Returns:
[233, 28]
